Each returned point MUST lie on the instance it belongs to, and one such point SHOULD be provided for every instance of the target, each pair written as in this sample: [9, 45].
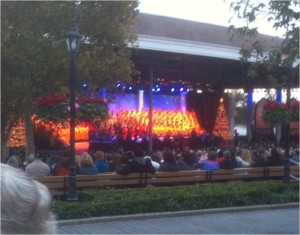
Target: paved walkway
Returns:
[273, 219]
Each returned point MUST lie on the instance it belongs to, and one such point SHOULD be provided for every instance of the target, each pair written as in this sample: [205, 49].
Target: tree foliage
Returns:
[34, 57]
[278, 64]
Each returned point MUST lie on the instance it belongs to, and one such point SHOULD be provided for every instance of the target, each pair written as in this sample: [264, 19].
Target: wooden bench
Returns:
[58, 185]
[177, 177]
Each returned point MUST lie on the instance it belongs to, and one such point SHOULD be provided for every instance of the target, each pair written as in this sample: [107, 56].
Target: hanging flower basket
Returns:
[52, 108]
[92, 109]
[276, 113]
[294, 111]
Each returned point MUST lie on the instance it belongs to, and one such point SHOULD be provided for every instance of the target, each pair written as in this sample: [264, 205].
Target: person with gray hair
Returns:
[37, 167]
[25, 204]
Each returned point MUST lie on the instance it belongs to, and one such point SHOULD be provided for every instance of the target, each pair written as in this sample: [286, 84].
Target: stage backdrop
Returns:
[131, 101]
[205, 105]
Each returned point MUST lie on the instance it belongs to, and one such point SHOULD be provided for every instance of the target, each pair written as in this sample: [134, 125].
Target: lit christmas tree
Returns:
[17, 135]
[222, 125]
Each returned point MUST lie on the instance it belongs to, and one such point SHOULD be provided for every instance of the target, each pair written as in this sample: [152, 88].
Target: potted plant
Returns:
[92, 109]
[52, 108]
[276, 113]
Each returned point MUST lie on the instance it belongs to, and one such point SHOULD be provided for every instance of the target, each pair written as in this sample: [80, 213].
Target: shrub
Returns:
[108, 202]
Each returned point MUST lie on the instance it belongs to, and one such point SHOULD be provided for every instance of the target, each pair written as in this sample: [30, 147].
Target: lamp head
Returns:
[73, 38]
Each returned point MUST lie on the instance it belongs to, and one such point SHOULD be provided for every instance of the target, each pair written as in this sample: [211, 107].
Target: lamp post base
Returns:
[72, 196]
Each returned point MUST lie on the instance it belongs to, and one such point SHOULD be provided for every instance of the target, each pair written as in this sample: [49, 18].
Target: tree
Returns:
[35, 60]
[281, 64]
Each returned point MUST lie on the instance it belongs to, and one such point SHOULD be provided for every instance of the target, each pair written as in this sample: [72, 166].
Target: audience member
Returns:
[260, 157]
[37, 167]
[274, 158]
[246, 156]
[116, 161]
[239, 161]
[100, 162]
[170, 163]
[25, 204]
[228, 162]
[211, 163]
[14, 161]
[188, 161]
[87, 166]
[295, 155]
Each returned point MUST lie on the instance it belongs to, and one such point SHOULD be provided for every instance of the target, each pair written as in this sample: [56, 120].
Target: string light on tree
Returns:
[222, 125]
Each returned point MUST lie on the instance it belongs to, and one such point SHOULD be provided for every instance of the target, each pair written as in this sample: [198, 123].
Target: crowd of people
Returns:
[136, 159]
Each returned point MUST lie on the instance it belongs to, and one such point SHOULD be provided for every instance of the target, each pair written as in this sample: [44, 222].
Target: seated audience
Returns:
[138, 164]
[87, 166]
[246, 156]
[211, 163]
[170, 163]
[25, 204]
[260, 157]
[274, 158]
[188, 161]
[295, 155]
[239, 161]
[100, 162]
[116, 161]
[14, 161]
[229, 162]
[37, 167]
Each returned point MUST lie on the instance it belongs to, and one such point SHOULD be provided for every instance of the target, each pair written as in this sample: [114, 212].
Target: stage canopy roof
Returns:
[199, 55]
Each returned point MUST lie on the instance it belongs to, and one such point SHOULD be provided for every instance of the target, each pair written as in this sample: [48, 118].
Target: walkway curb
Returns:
[61, 223]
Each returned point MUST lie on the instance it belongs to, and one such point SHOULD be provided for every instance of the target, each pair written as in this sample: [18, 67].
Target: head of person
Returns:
[99, 155]
[25, 204]
[30, 158]
[227, 154]
[212, 155]
[170, 157]
[13, 161]
[86, 160]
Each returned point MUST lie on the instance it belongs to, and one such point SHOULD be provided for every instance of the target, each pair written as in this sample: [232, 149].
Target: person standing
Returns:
[236, 138]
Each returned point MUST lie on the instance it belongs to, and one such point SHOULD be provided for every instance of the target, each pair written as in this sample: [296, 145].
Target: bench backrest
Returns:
[58, 185]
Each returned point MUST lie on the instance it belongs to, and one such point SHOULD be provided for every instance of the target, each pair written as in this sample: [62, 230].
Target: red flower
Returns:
[51, 100]
[87, 100]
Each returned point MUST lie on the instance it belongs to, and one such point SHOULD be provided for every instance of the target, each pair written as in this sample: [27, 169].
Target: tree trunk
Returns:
[30, 148]
[4, 150]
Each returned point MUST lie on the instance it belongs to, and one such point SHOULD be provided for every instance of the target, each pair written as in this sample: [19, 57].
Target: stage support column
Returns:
[231, 111]
[141, 100]
[279, 95]
[183, 101]
[104, 94]
[249, 114]
[151, 109]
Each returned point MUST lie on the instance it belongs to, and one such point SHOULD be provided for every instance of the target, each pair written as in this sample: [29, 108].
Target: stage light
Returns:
[119, 84]
[153, 89]
[199, 91]
[84, 84]
[181, 89]
[158, 89]
[172, 90]
[130, 88]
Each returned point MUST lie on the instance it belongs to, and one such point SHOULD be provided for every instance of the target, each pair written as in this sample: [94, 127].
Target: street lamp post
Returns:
[73, 39]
